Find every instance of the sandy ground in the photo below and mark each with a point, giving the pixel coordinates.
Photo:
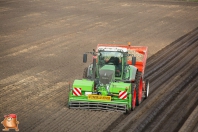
(41, 47)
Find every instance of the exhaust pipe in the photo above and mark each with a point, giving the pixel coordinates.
(94, 68)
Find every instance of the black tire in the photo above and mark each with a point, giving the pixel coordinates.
(139, 90)
(85, 73)
(134, 100)
(147, 89)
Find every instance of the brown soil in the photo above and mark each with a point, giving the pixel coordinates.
(41, 47)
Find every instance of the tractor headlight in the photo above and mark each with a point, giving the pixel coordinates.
(87, 93)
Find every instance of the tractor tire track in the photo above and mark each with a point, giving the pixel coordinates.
(156, 125)
(191, 123)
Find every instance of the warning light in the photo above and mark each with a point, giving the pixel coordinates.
(129, 43)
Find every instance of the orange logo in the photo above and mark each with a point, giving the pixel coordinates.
(10, 122)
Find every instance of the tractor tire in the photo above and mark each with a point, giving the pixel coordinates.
(147, 89)
(139, 87)
(85, 73)
(134, 97)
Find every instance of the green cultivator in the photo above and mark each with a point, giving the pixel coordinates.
(114, 81)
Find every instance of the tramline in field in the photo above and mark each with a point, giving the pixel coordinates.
(114, 81)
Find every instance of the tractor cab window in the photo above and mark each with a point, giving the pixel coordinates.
(112, 58)
(109, 57)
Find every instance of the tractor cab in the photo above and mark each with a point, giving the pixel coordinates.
(111, 60)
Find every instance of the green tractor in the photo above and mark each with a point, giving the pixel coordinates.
(114, 81)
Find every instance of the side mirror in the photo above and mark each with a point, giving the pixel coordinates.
(84, 58)
(133, 60)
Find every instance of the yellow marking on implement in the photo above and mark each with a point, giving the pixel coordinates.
(99, 97)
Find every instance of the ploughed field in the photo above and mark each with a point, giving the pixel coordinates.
(173, 74)
(41, 47)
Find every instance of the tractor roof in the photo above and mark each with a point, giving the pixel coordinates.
(104, 48)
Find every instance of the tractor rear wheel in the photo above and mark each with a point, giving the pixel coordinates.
(85, 73)
(139, 86)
